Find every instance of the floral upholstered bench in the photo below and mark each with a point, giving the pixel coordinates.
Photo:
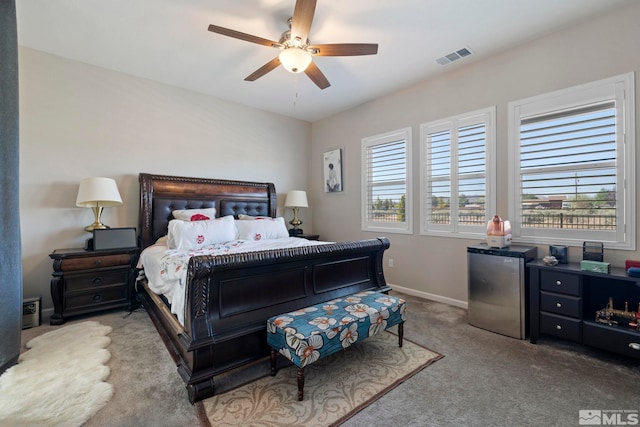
(309, 334)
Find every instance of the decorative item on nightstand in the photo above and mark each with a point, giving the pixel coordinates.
(98, 193)
(296, 199)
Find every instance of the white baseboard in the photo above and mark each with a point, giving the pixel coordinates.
(432, 297)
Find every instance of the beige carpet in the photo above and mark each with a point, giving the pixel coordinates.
(336, 387)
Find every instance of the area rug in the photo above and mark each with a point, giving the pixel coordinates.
(59, 381)
(336, 387)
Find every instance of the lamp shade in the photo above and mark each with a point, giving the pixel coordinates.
(98, 192)
(295, 59)
(296, 199)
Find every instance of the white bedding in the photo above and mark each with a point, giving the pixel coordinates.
(166, 270)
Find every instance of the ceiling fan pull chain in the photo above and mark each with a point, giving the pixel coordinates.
(295, 88)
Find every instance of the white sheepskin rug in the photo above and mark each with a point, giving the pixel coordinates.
(60, 380)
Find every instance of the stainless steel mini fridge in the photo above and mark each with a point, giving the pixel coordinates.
(498, 291)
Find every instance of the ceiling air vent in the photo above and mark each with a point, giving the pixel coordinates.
(454, 56)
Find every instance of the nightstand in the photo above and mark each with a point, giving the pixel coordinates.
(308, 236)
(88, 281)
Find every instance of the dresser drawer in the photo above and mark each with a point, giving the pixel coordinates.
(86, 263)
(91, 301)
(96, 279)
(555, 281)
(565, 305)
(619, 340)
(561, 326)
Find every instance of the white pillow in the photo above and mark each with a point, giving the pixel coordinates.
(188, 214)
(196, 234)
(262, 229)
(249, 217)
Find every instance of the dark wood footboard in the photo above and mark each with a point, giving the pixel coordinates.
(231, 297)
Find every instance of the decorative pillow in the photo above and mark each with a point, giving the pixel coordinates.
(196, 234)
(262, 229)
(194, 214)
(249, 217)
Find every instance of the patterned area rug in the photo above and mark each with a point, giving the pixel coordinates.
(336, 387)
(60, 380)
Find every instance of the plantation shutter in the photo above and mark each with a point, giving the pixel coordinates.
(386, 181)
(456, 175)
(568, 165)
(472, 185)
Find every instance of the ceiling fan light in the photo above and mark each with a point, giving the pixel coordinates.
(294, 59)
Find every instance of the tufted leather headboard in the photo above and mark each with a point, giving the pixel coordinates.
(161, 194)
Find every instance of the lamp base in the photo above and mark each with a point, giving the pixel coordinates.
(96, 226)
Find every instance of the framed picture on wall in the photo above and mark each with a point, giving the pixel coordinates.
(333, 171)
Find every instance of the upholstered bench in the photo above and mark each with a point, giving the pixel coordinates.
(309, 334)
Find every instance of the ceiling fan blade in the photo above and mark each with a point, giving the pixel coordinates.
(263, 70)
(302, 19)
(243, 36)
(344, 49)
(316, 76)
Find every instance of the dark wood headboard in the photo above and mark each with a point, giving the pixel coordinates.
(161, 194)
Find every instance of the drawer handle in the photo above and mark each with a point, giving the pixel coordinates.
(98, 261)
(97, 298)
(558, 327)
(634, 345)
(559, 305)
(97, 280)
(559, 282)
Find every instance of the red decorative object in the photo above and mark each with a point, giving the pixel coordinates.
(199, 217)
(200, 239)
(631, 263)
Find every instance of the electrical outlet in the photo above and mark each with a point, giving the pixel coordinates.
(390, 262)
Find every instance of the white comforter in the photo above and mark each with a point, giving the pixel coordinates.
(166, 270)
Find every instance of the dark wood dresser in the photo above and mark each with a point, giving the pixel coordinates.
(86, 281)
(564, 301)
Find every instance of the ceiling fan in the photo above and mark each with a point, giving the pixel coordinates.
(295, 49)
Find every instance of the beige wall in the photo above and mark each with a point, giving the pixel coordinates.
(435, 267)
(78, 120)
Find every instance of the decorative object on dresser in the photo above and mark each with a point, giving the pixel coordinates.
(296, 199)
(88, 281)
(567, 302)
(114, 238)
(560, 253)
(98, 193)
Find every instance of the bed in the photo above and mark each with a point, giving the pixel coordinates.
(228, 298)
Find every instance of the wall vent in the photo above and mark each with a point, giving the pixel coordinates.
(454, 56)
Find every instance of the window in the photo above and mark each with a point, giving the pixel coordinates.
(386, 182)
(458, 174)
(572, 165)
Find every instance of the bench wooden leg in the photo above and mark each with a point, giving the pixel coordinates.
(400, 333)
(274, 355)
(300, 384)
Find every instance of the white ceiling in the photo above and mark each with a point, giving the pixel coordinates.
(167, 41)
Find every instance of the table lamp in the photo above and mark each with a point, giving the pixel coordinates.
(98, 193)
(296, 199)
